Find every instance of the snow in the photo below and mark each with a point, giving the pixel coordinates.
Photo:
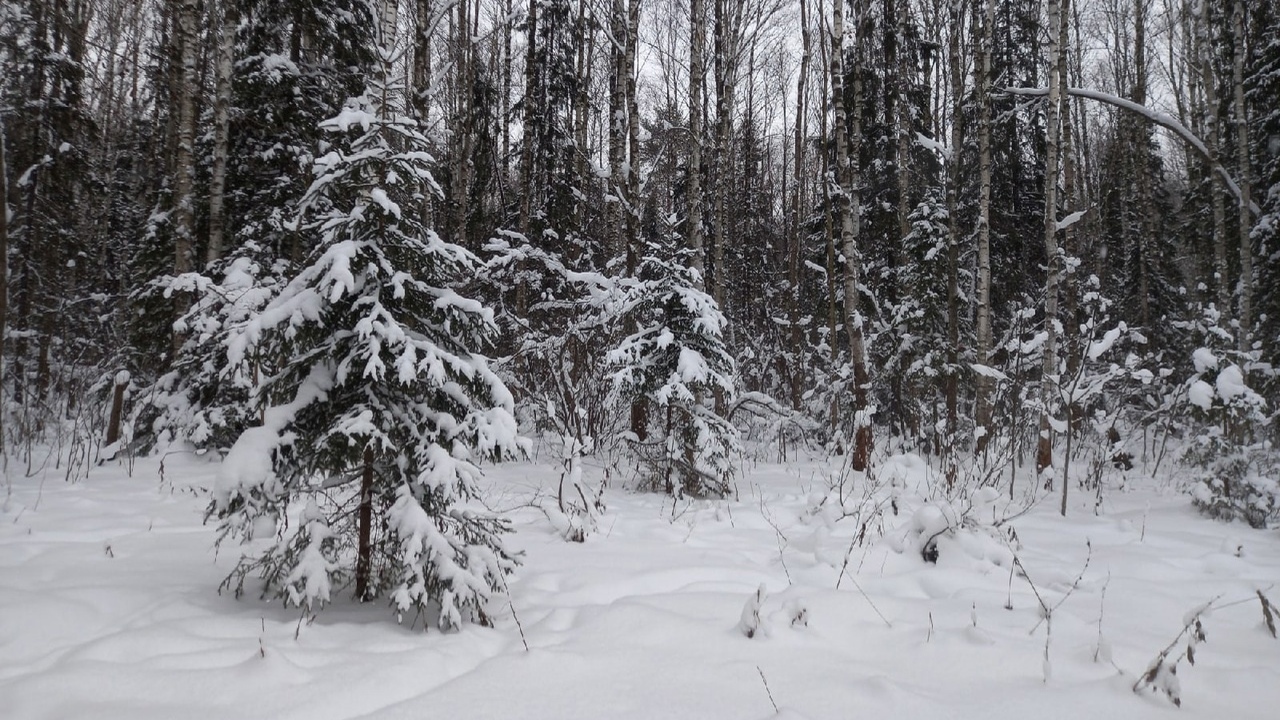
(1204, 359)
(109, 607)
(988, 371)
(1070, 220)
(1230, 384)
(1098, 348)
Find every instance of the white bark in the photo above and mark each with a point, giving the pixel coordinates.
(1213, 141)
(697, 45)
(1243, 197)
(984, 386)
(184, 166)
(850, 227)
(221, 129)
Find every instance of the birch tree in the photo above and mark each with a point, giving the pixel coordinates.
(697, 51)
(848, 137)
(984, 386)
(1244, 198)
(1213, 142)
(184, 166)
(227, 21)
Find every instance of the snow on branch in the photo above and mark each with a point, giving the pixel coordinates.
(1070, 220)
(1164, 120)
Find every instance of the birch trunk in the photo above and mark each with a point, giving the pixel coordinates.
(984, 387)
(951, 389)
(616, 209)
(697, 45)
(850, 133)
(184, 152)
(1244, 197)
(1213, 142)
(227, 23)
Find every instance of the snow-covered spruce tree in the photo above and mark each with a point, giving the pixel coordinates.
(675, 359)
(910, 343)
(1238, 475)
(381, 408)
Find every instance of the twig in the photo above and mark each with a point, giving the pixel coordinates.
(767, 690)
(869, 600)
(779, 537)
(1075, 584)
(512, 604)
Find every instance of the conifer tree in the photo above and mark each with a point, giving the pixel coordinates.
(674, 360)
(382, 408)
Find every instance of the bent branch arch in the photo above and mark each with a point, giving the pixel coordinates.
(1162, 119)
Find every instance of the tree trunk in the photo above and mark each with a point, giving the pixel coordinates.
(364, 529)
(184, 152)
(850, 133)
(4, 272)
(585, 53)
(697, 45)
(462, 137)
(639, 408)
(828, 180)
(727, 29)
(505, 165)
(984, 387)
(530, 130)
(797, 208)
(420, 92)
(117, 407)
(1243, 172)
(1213, 142)
(221, 125)
(1072, 340)
(1147, 242)
(902, 128)
(616, 209)
(1049, 363)
(951, 388)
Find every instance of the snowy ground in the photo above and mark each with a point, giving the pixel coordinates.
(109, 609)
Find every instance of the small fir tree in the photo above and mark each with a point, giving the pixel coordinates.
(1237, 470)
(675, 360)
(382, 407)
